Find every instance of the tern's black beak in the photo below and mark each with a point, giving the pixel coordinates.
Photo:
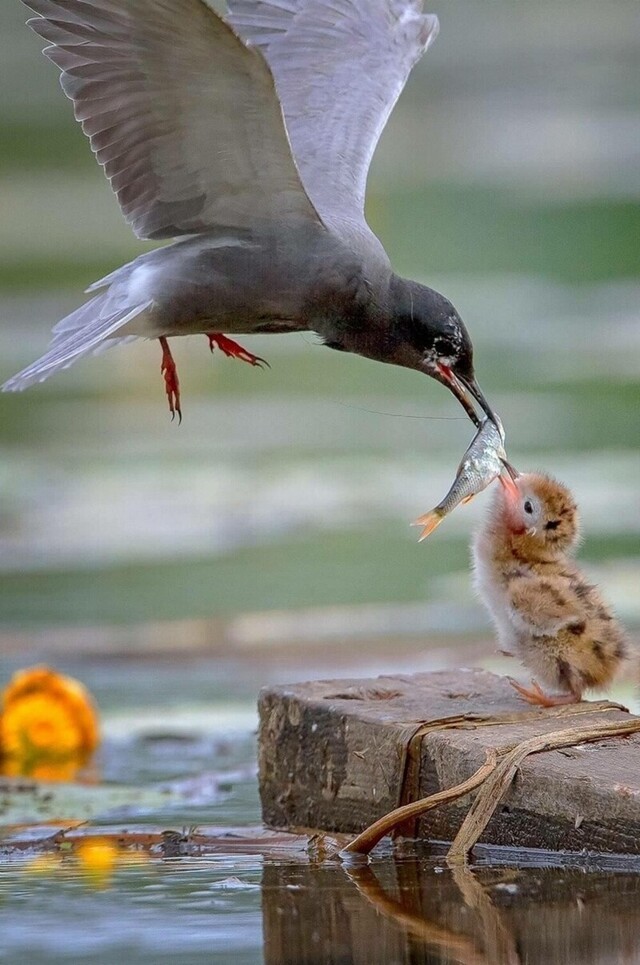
(472, 386)
(463, 387)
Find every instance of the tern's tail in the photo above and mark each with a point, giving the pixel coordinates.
(80, 333)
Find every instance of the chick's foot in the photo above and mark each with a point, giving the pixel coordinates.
(536, 696)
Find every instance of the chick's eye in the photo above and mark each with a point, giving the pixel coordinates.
(528, 508)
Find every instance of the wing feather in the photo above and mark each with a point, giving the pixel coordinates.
(180, 112)
(339, 66)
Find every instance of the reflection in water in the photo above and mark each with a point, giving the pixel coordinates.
(407, 912)
(234, 899)
(498, 939)
(92, 862)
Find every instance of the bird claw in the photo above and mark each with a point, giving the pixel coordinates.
(171, 383)
(536, 696)
(232, 350)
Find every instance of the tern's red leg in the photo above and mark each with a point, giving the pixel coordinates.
(232, 350)
(172, 385)
(537, 696)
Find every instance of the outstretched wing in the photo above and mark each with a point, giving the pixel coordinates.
(339, 66)
(182, 115)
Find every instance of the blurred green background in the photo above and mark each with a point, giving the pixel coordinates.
(508, 179)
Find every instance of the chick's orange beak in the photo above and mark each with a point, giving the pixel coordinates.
(508, 481)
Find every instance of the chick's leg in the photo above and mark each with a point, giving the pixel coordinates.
(535, 695)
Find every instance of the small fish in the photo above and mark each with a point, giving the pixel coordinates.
(484, 461)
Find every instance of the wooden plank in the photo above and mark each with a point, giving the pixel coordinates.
(333, 755)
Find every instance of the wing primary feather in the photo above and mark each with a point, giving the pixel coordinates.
(339, 66)
(158, 86)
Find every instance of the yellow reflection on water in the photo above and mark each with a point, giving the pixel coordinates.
(95, 861)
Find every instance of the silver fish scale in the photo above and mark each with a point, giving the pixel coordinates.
(480, 465)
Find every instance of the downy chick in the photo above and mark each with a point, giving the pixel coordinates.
(543, 607)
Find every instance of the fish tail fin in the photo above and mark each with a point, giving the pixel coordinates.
(429, 521)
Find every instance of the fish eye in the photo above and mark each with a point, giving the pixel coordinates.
(528, 508)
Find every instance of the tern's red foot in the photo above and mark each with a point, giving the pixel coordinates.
(234, 351)
(172, 385)
(537, 696)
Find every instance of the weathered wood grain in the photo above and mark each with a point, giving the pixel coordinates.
(334, 755)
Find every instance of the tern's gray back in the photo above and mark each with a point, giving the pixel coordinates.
(280, 276)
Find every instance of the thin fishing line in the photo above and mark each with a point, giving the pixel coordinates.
(404, 415)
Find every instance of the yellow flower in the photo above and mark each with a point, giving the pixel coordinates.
(43, 768)
(48, 724)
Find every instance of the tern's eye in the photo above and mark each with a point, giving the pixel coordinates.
(528, 508)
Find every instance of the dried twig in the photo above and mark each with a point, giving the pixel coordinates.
(495, 777)
(499, 781)
(376, 831)
(413, 743)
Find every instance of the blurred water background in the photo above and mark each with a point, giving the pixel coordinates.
(267, 537)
